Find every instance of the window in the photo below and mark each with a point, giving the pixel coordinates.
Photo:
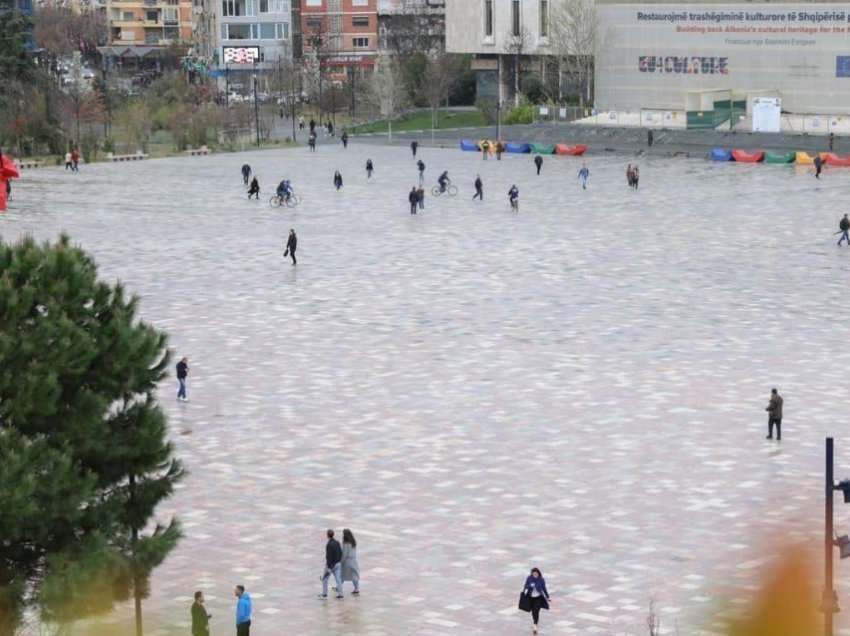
(128, 16)
(237, 31)
(314, 3)
(359, 3)
(267, 31)
(152, 37)
(515, 17)
(283, 30)
(360, 21)
(250, 7)
(233, 8)
(360, 43)
(169, 15)
(544, 18)
(151, 16)
(264, 6)
(488, 18)
(314, 24)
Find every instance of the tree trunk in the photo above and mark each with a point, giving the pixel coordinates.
(137, 594)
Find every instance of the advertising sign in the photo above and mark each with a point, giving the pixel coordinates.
(651, 56)
(767, 114)
(241, 54)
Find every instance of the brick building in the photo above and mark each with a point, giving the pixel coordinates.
(344, 34)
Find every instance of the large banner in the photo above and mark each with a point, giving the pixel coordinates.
(651, 56)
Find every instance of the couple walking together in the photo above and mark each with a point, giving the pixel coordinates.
(341, 563)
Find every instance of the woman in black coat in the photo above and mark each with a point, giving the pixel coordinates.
(534, 596)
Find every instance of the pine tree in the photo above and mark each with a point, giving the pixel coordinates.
(78, 373)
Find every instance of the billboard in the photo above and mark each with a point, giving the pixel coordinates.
(241, 54)
(651, 56)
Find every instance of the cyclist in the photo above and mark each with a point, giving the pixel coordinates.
(513, 196)
(284, 190)
(443, 181)
(246, 173)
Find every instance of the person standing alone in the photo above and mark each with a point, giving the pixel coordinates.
(538, 161)
(243, 611)
(843, 226)
(774, 415)
(182, 374)
(333, 566)
(200, 618)
(291, 246)
(413, 199)
(413, 146)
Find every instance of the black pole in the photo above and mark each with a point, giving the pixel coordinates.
(333, 105)
(256, 106)
(292, 99)
(828, 591)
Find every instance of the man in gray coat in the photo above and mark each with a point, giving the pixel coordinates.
(774, 415)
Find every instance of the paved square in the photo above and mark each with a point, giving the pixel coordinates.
(578, 387)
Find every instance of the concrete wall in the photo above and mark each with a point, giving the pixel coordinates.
(465, 27)
(651, 56)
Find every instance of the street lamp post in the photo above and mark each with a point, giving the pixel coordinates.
(828, 604)
(256, 106)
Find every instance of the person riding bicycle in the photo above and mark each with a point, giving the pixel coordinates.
(443, 180)
(284, 190)
(246, 173)
(513, 196)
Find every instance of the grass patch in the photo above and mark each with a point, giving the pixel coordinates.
(421, 120)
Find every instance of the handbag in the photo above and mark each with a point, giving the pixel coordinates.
(524, 602)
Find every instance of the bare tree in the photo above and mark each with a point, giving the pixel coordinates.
(516, 45)
(653, 621)
(442, 71)
(574, 37)
(387, 88)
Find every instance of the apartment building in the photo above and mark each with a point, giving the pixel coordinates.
(344, 34)
(405, 26)
(143, 26)
(253, 34)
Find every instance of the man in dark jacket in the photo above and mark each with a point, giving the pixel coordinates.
(200, 618)
(413, 146)
(843, 226)
(538, 161)
(774, 415)
(479, 188)
(291, 246)
(413, 199)
(182, 373)
(818, 166)
(333, 566)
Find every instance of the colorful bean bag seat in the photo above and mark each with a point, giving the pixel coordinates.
(514, 146)
(833, 159)
(742, 156)
(780, 157)
(468, 144)
(721, 154)
(564, 149)
(543, 149)
(804, 158)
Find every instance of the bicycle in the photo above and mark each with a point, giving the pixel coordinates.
(451, 190)
(292, 201)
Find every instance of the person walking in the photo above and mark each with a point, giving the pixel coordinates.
(68, 164)
(421, 166)
(843, 227)
(485, 149)
(246, 173)
(200, 618)
(243, 611)
(182, 374)
(350, 567)
(420, 197)
(312, 125)
(344, 139)
(831, 140)
(291, 246)
(774, 415)
(635, 177)
(75, 160)
(479, 188)
(333, 566)
(500, 148)
(413, 199)
(312, 141)
(254, 189)
(538, 161)
(584, 175)
(630, 176)
(414, 146)
(337, 180)
(650, 137)
(300, 122)
(369, 168)
(818, 166)
(534, 596)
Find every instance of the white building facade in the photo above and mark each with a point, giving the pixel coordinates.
(503, 36)
(252, 35)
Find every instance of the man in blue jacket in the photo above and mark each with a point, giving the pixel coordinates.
(243, 611)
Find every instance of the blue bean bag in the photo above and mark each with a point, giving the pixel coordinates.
(468, 144)
(721, 154)
(517, 147)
